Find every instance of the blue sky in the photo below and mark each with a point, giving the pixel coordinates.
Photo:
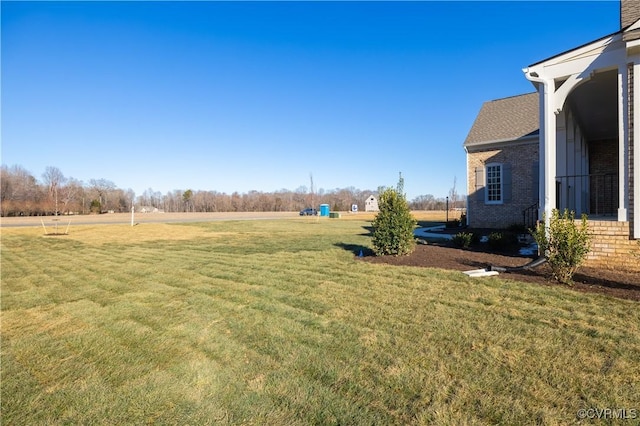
(240, 96)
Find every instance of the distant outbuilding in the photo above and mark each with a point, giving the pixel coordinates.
(371, 204)
(150, 209)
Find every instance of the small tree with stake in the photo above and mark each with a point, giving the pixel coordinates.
(393, 225)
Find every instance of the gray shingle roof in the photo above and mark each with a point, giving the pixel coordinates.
(629, 12)
(505, 119)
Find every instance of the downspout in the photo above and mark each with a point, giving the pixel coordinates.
(547, 190)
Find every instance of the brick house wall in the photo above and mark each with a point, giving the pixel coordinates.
(603, 185)
(611, 247)
(524, 185)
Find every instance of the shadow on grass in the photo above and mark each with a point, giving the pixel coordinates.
(368, 229)
(590, 279)
(356, 249)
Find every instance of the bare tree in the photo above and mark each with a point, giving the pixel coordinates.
(22, 194)
(423, 202)
(453, 194)
(102, 187)
(120, 200)
(311, 190)
(53, 178)
(175, 201)
(69, 194)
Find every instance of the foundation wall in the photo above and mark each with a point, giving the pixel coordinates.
(611, 246)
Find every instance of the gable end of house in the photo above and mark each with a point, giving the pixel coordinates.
(511, 119)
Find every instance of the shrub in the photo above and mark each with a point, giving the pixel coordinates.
(495, 240)
(393, 225)
(455, 223)
(463, 239)
(502, 240)
(564, 243)
(517, 228)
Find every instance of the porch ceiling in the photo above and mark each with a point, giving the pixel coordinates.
(595, 105)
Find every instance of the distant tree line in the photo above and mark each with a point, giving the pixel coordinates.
(22, 194)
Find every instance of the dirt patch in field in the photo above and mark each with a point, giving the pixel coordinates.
(445, 255)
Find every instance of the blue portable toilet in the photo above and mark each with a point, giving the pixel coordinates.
(324, 209)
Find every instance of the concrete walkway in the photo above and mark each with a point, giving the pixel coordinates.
(432, 232)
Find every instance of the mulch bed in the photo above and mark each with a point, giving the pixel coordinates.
(616, 283)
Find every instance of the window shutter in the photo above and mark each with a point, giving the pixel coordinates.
(480, 184)
(535, 188)
(506, 183)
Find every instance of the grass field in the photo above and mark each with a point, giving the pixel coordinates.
(275, 322)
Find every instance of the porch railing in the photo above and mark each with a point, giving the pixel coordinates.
(530, 216)
(593, 194)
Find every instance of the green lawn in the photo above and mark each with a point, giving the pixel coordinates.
(276, 322)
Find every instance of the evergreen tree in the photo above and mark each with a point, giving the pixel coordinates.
(393, 225)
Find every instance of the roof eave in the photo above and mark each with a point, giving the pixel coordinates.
(575, 48)
(501, 143)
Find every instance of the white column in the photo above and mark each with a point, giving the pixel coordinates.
(542, 168)
(623, 135)
(548, 142)
(636, 150)
(546, 89)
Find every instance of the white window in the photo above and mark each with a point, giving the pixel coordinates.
(494, 181)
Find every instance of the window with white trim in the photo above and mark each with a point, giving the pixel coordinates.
(493, 187)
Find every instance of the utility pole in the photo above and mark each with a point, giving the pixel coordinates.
(400, 185)
(447, 210)
(312, 201)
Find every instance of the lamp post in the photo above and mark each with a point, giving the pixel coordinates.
(447, 207)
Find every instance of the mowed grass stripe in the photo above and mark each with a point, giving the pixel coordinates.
(186, 326)
(92, 257)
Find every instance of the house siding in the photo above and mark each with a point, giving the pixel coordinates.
(523, 186)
